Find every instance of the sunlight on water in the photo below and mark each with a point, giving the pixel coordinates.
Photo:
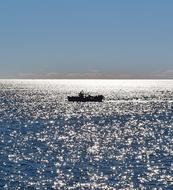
(49, 143)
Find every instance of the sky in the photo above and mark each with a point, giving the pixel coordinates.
(86, 39)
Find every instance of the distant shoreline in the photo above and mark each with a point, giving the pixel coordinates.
(86, 78)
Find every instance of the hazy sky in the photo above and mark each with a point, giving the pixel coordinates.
(86, 38)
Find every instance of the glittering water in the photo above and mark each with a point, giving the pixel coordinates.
(125, 142)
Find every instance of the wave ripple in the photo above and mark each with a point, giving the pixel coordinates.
(124, 142)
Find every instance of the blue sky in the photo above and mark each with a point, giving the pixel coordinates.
(90, 38)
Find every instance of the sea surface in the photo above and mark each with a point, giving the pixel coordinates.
(124, 142)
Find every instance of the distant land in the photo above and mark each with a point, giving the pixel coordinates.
(167, 74)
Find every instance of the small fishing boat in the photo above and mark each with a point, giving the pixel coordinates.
(85, 98)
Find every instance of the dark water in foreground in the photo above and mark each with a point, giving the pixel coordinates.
(126, 142)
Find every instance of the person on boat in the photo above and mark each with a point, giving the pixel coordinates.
(81, 94)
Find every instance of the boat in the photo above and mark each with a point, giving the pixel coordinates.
(85, 98)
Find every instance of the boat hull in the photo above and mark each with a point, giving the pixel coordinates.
(98, 98)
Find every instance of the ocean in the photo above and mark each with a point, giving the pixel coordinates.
(124, 142)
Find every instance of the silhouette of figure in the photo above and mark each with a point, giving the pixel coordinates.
(81, 94)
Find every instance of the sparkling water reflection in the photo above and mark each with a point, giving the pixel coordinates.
(49, 143)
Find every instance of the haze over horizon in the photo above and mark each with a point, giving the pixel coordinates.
(86, 39)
